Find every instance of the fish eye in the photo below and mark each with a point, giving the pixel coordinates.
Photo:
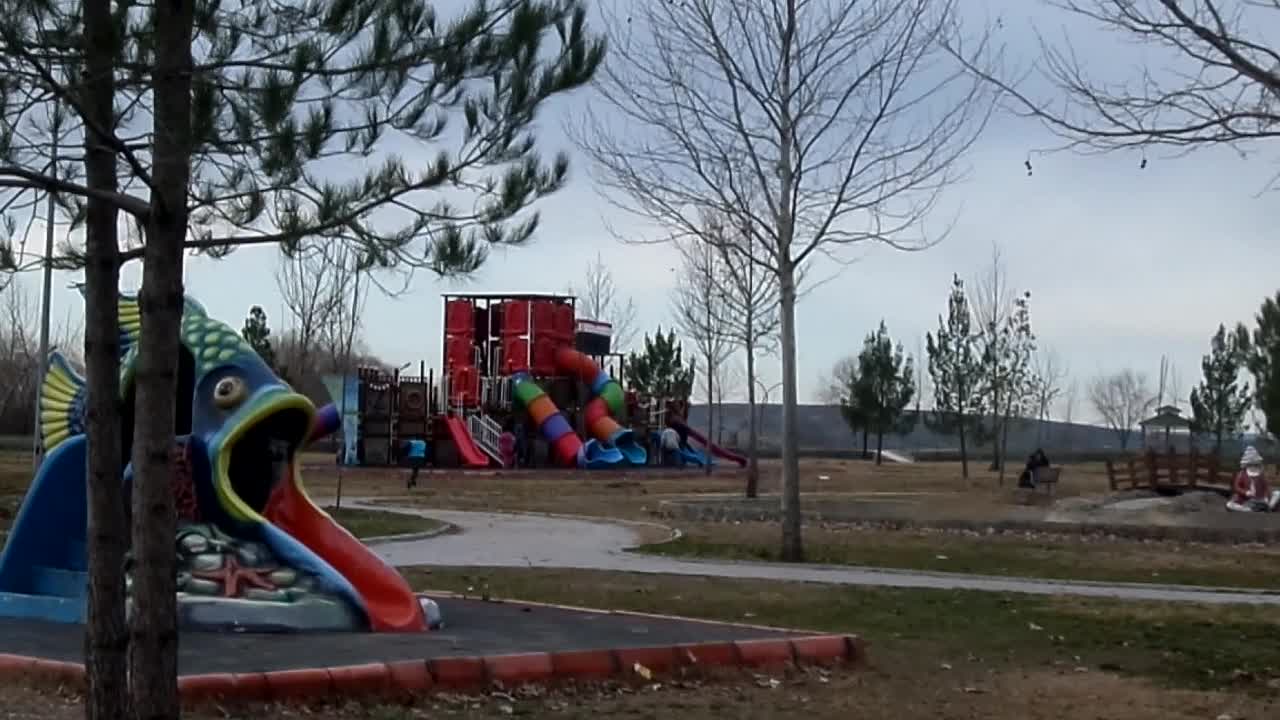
(229, 392)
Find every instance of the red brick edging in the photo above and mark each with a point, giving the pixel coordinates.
(463, 673)
(412, 677)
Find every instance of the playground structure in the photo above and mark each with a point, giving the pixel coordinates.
(253, 551)
(508, 358)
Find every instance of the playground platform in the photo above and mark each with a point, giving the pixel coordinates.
(482, 643)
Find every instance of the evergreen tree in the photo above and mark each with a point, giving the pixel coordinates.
(886, 384)
(1262, 352)
(854, 406)
(955, 367)
(1220, 402)
(1008, 361)
(659, 371)
(258, 335)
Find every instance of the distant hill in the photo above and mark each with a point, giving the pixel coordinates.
(823, 430)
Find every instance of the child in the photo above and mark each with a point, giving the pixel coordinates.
(416, 451)
(1250, 491)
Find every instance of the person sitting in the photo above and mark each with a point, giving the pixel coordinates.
(507, 448)
(670, 440)
(1036, 461)
(1250, 492)
(416, 453)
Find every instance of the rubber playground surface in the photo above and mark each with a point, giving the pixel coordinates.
(482, 642)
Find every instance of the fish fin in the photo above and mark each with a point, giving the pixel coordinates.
(62, 403)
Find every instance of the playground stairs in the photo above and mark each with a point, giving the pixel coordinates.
(486, 431)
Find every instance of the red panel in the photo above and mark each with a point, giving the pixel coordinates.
(459, 317)
(515, 317)
(544, 355)
(458, 350)
(564, 322)
(544, 317)
(515, 354)
(464, 386)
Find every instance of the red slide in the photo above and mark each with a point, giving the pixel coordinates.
(716, 450)
(471, 454)
(391, 603)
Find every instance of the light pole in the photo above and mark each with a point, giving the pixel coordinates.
(46, 297)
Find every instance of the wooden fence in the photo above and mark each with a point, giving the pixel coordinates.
(1171, 471)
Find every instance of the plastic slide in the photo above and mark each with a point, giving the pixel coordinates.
(716, 450)
(470, 453)
(42, 567)
(607, 402)
(389, 601)
(565, 445)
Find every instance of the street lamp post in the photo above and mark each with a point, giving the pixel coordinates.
(46, 298)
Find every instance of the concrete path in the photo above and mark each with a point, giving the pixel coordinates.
(520, 540)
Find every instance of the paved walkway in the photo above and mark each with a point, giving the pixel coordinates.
(514, 540)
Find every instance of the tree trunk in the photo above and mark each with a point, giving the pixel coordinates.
(711, 413)
(866, 442)
(792, 542)
(153, 658)
(753, 438)
(879, 444)
(964, 452)
(1004, 441)
(106, 634)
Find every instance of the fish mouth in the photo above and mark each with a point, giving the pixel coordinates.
(258, 454)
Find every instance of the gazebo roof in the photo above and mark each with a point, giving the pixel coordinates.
(1166, 417)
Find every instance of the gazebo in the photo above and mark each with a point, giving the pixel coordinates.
(1168, 421)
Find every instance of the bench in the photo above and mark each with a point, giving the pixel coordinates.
(1047, 478)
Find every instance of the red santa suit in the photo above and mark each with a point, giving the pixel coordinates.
(1246, 488)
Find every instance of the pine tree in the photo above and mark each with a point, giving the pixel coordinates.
(1262, 352)
(855, 406)
(1008, 360)
(1220, 402)
(239, 123)
(659, 371)
(885, 388)
(955, 368)
(258, 335)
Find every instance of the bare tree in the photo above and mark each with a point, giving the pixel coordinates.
(751, 318)
(992, 302)
(813, 125)
(729, 378)
(1212, 77)
(1049, 374)
(699, 307)
(312, 285)
(1069, 399)
(1122, 399)
(835, 387)
(599, 299)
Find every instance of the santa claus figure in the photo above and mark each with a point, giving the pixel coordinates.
(1249, 491)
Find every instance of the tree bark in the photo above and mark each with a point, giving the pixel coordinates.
(964, 451)
(753, 438)
(153, 656)
(106, 634)
(792, 542)
(711, 412)
(879, 444)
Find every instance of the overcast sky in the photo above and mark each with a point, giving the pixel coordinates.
(1124, 264)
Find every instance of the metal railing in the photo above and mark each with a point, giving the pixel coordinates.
(486, 432)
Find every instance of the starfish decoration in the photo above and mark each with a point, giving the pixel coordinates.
(232, 574)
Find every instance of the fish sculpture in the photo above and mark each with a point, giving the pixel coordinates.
(254, 552)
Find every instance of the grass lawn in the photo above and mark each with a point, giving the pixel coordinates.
(934, 654)
(1175, 645)
(372, 523)
(1042, 556)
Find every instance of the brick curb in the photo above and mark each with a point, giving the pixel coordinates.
(415, 677)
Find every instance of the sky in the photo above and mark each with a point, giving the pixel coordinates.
(1125, 265)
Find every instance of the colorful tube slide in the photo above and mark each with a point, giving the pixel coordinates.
(607, 402)
(565, 445)
(714, 449)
